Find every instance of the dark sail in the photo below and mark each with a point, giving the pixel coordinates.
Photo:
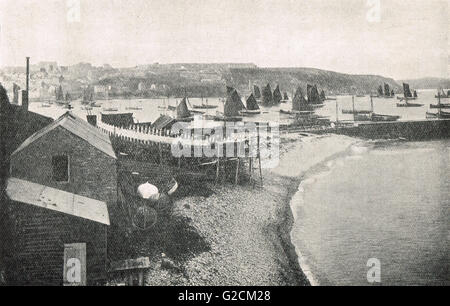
(267, 98)
(380, 90)
(322, 95)
(313, 95)
(415, 94)
(285, 96)
(182, 110)
(257, 92)
(392, 93)
(251, 103)
(233, 105)
(229, 90)
(277, 96)
(406, 90)
(298, 102)
(59, 94)
(387, 90)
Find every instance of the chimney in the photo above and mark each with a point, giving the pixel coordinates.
(25, 93)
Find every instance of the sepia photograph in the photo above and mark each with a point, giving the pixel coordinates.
(226, 144)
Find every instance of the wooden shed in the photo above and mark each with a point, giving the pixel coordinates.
(59, 238)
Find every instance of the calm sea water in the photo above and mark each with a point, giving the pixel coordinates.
(385, 201)
(151, 108)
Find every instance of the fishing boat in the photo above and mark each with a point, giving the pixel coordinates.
(94, 104)
(438, 115)
(372, 116)
(379, 117)
(204, 105)
(349, 111)
(267, 96)
(252, 107)
(442, 105)
(232, 108)
(299, 105)
(111, 109)
(313, 96)
(407, 94)
(385, 93)
(285, 98)
(442, 94)
(256, 92)
(277, 96)
(133, 107)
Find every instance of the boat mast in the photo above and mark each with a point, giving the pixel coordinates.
(439, 105)
(353, 107)
(337, 112)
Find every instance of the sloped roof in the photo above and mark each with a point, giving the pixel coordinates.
(78, 127)
(57, 200)
(163, 122)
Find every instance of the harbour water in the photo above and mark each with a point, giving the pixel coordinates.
(148, 110)
(383, 200)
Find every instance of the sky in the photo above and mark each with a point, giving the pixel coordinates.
(407, 39)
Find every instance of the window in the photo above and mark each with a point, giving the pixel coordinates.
(60, 165)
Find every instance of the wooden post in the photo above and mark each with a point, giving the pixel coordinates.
(217, 170)
(250, 162)
(236, 179)
(337, 111)
(160, 153)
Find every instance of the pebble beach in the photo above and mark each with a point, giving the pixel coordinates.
(247, 230)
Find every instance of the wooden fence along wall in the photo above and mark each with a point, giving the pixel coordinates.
(136, 139)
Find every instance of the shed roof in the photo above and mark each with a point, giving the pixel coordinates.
(78, 127)
(57, 200)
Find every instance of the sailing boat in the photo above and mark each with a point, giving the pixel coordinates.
(134, 107)
(313, 96)
(407, 96)
(440, 114)
(322, 95)
(232, 108)
(205, 105)
(256, 92)
(440, 105)
(252, 107)
(443, 94)
(59, 95)
(277, 96)
(285, 98)
(387, 90)
(267, 96)
(182, 111)
(299, 104)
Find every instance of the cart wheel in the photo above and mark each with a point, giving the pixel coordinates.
(144, 218)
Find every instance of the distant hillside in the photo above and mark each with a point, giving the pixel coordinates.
(428, 83)
(289, 78)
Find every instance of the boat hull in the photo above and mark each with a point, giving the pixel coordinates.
(409, 105)
(447, 105)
